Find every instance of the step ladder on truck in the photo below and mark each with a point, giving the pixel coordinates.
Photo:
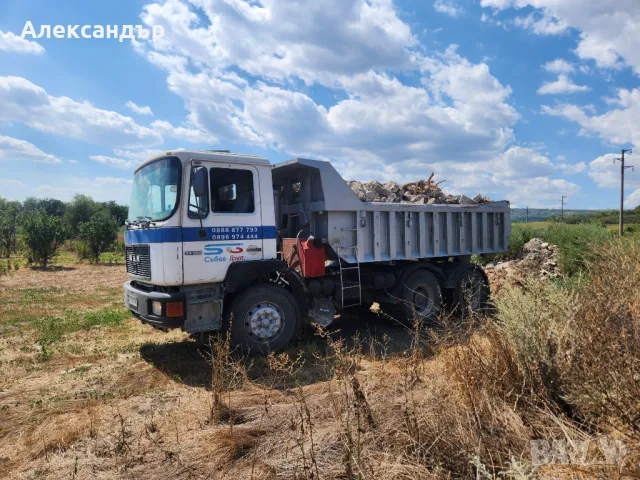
(217, 240)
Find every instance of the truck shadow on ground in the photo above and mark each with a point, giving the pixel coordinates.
(372, 335)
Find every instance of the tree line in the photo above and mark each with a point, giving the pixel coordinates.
(38, 227)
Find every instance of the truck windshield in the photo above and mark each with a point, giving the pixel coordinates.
(156, 190)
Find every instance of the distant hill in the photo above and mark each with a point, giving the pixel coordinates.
(540, 214)
(608, 217)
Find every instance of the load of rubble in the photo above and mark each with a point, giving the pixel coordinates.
(537, 259)
(421, 192)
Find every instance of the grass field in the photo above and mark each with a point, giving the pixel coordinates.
(88, 392)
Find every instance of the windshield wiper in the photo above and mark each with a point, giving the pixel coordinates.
(140, 221)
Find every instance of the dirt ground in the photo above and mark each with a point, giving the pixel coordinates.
(113, 398)
(86, 391)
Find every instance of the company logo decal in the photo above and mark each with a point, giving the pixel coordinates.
(216, 252)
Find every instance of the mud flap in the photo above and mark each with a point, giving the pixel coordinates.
(322, 311)
(204, 310)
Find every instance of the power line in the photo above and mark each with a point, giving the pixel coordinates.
(622, 169)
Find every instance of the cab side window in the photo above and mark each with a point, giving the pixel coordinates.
(232, 191)
(198, 206)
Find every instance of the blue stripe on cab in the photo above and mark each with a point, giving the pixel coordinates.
(191, 234)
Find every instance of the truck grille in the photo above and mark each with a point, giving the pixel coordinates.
(138, 261)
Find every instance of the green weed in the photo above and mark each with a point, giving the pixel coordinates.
(51, 329)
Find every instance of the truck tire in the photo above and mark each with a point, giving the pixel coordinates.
(262, 319)
(471, 292)
(421, 297)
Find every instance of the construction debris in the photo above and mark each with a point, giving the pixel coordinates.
(537, 259)
(421, 192)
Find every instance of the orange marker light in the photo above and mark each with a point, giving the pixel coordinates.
(174, 309)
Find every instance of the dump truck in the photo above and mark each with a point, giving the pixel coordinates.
(222, 241)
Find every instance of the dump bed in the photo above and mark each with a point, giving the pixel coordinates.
(312, 192)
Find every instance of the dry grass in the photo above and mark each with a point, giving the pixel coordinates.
(112, 398)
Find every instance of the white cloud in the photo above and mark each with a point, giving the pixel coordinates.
(378, 127)
(10, 182)
(546, 24)
(128, 159)
(606, 173)
(24, 102)
(618, 126)
(182, 133)
(115, 162)
(448, 7)
(73, 161)
(307, 39)
(145, 110)
(571, 169)
(99, 188)
(520, 162)
(562, 85)
(114, 181)
(138, 156)
(15, 150)
(609, 28)
(633, 199)
(10, 42)
(558, 65)
(541, 191)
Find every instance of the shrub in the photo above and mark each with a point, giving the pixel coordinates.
(575, 242)
(604, 379)
(81, 249)
(43, 235)
(99, 233)
(580, 349)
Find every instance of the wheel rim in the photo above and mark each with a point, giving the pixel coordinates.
(422, 301)
(264, 322)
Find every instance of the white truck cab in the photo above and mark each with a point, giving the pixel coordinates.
(218, 240)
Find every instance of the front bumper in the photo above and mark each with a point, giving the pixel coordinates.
(138, 300)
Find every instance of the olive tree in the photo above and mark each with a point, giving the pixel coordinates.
(43, 234)
(99, 233)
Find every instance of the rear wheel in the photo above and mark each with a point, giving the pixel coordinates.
(471, 293)
(421, 297)
(263, 318)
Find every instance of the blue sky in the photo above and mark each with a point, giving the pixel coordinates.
(526, 100)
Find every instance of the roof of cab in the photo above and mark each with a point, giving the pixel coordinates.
(215, 155)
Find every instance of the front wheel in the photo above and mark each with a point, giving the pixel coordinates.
(263, 318)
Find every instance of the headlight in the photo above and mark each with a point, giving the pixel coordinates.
(156, 308)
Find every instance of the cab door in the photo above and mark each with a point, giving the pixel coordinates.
(231, 221)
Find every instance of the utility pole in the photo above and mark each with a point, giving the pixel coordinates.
(527, 215)
(562, 208)
(622, 169)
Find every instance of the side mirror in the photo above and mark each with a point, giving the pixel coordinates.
(199, 181)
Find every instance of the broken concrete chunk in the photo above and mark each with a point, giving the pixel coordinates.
(420, 192)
